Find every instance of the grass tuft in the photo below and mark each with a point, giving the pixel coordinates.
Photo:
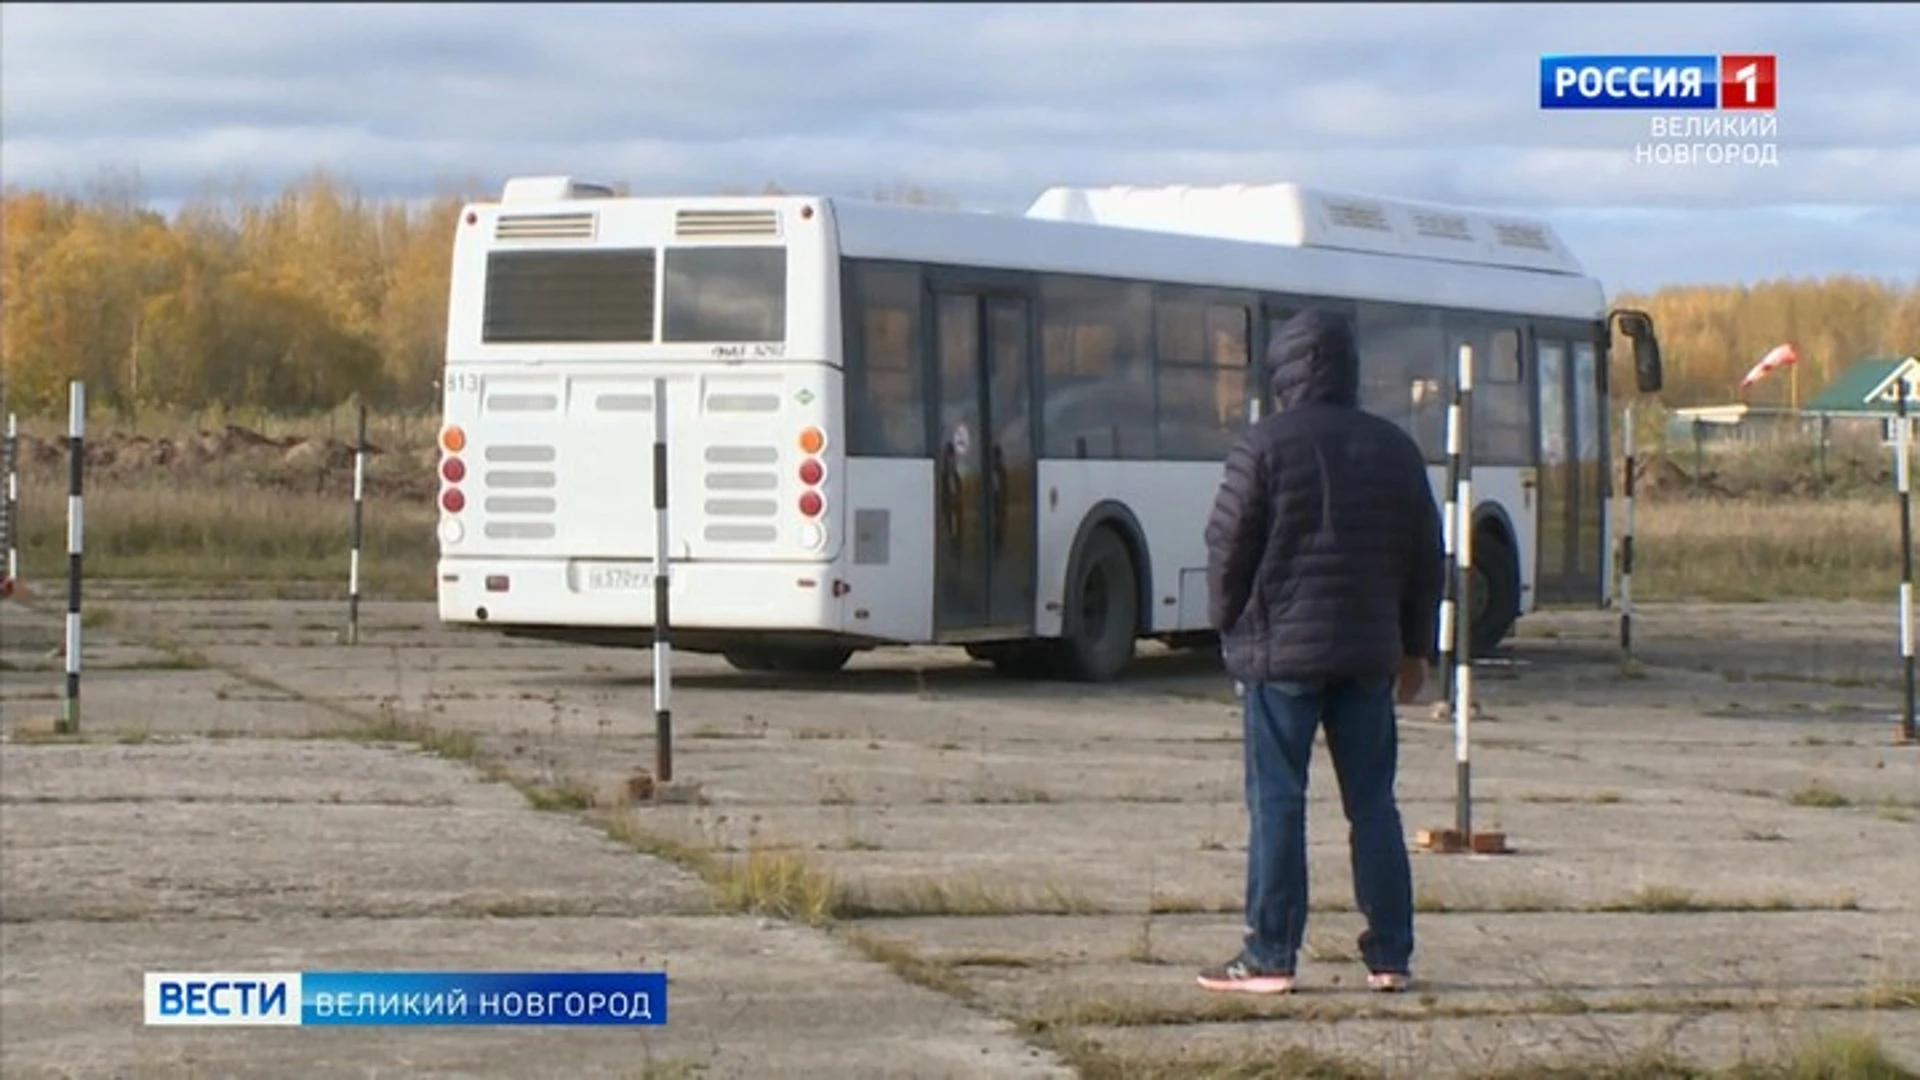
(1818, 796)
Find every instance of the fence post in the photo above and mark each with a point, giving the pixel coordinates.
(1450, 537)
(1699, 454)
(1463, 619)
(76, 524)
(359, 502)
(1820, 466)
(662, 623)
(1903, 446)
(10, 512)
(1626, 543)
(1456, 619)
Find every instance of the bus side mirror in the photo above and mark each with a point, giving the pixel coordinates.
(1638, 327)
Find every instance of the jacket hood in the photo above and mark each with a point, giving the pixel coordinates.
(1313, 360)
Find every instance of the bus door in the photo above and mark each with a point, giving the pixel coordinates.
(1557, 574)
(985, 477)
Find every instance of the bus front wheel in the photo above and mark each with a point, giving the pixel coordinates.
(1495, 600)
(1103, 610)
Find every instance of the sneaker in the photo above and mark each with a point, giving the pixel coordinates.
(1243, 975)
(1388, 982)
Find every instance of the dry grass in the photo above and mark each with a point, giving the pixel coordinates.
(385, 429)
(211, 525)
(228, 535)
(1763, 549)
(197, 534)
(1831, 1056)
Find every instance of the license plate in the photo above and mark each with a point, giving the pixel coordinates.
(619, 579)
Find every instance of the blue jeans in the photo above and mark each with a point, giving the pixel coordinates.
(1362, 738)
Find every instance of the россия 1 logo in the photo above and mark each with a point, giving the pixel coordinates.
(1743, 84)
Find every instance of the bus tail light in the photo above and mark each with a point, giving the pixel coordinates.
(452, 501)
(454, 470)
(453, 439)
(813, 501)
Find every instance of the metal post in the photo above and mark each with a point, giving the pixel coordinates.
(662, 624)
(1699, 454)
(1902, 479)
(1450, 597)
(359, 503)
(11, 509)
(1463, 572)
(76, 470)
(1626, 544)
(1820, 467)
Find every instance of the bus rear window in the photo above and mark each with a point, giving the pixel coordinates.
(726, 294)
(539, 297)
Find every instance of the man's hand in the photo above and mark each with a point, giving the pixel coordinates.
(1413, 677)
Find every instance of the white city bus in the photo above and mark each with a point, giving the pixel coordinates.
(891, 424)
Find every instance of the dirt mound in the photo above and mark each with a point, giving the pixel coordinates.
(233, 456)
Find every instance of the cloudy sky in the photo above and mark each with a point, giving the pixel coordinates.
(990, 104)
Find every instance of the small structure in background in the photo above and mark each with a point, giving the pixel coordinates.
(1857, 402)
(1865, 396)
(1855, 409)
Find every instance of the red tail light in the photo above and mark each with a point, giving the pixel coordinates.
(452, 501)
(811, 503)
(811, 471)
(454, 470)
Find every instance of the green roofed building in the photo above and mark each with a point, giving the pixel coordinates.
(1862, 397)
(1868, 392)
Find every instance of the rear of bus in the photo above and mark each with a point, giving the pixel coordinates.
(568, 308)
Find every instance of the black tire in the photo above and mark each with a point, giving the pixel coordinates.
(810, 659)
(1495, 598)
(1103, 611)
(749, 658)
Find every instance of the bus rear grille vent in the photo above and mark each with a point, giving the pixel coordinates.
(726, 223)
(544, 227)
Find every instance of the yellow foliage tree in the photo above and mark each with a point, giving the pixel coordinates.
(307, 298)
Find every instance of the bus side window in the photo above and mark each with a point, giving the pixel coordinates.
(1403, 371)
(885, 404)
(1201, 355)
(1096, 356)
(1502, 398)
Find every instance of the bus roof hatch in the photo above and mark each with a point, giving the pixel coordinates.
(1298, 216)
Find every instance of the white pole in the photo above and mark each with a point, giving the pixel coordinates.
(12, 508)
(76, 527)
(359, 505)
(1902, 481)
(662, 622)
(1626, 545)
(1463, 621)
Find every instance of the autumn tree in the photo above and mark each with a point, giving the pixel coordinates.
(302, 299)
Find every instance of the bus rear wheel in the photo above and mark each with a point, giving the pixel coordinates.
(790, 659)
(1103, 611)
(1494, 605)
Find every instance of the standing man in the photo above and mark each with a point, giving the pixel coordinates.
(1324, 573)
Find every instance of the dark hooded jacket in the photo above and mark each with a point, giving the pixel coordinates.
(1324, 547)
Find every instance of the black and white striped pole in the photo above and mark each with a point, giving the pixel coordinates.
(1902, 471)
(359, 504)
(76, 522)
(1456, 619)
(1626, 540)
(1461, 447)
(1449, 531)
(10, 511)
(662, 624)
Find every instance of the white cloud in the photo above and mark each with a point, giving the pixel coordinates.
(988, 103)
